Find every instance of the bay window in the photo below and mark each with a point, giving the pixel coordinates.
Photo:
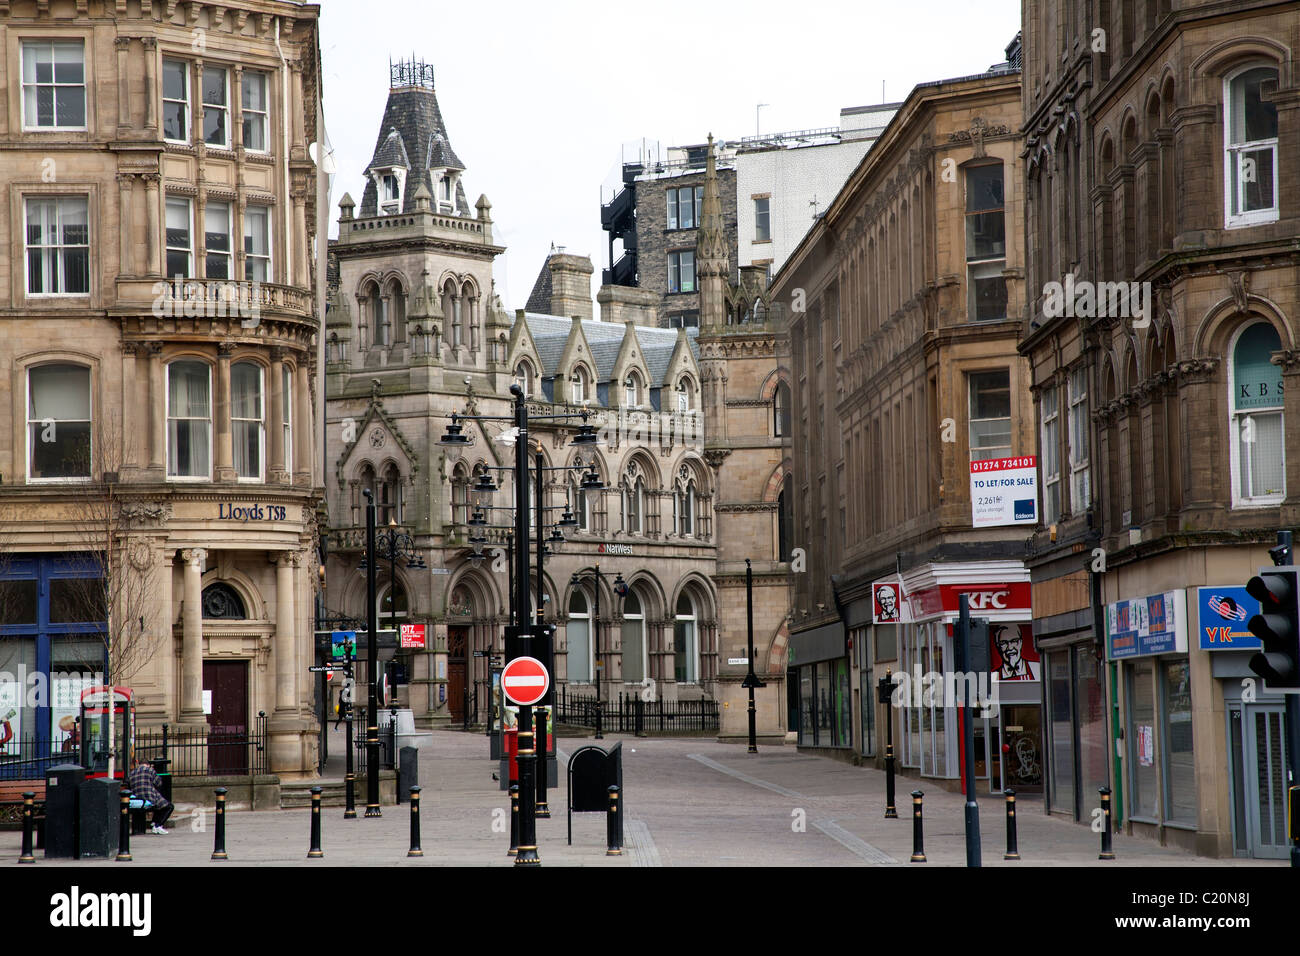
(179, 238)
(216, 232)
(216, 107)
(254, 111)
(257, 243)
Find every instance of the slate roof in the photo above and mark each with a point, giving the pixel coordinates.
(413, 135)
(539, 300)
(550, 333)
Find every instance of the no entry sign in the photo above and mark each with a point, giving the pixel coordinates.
(525, 681)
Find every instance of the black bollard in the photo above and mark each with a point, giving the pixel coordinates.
(613, 831)
(1106, 852)
(918, 848)
(314, 851)
(219, 841)
(540, 715)
(29, 811)
(415, 824)
(124, 830)
(1013, 852)
(350, 806)
(514, 820)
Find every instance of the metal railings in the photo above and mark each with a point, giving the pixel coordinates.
(216, 753)
(629, 714)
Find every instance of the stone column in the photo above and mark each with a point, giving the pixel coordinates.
(225, 469)
(237, 108)
(275, 418)
(196, 107)
(300, 276)
(130, 411)
(153, 210)
(126, 248)
(192, 641)
(285, 670)
(303, 427)
(122, 45)
(150, 86)
(158, 411)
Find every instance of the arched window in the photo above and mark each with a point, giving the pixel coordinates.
(451, 314)
(579, 505)
(785, 519)
(684, 501)
(686, 649)
(633, 633)
(58, 422)
(781, 411)
(633, 499)
(1255, 387)
(579, 383)
(578, 631)
(390, 496)
(220, 600)
(379, 318)
(524, 376)
(685, 391)
(247, 420)
(393, 607)
(1250, 140)
(189, 420)
(366, 480)
(632, 390)
(460, 494)
(396, 312)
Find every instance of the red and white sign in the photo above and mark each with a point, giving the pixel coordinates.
(413, 635)
(525, 681)
(986, 600)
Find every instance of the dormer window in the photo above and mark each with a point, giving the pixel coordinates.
(579, 383)
(390, 184)
(392, 194)
(446, 188)
(632, 389)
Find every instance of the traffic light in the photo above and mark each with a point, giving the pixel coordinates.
(1277, 626)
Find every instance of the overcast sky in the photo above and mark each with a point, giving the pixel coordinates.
(540, 98)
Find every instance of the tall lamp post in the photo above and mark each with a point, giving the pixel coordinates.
(372, 664)
(524, 638)
(751, 680)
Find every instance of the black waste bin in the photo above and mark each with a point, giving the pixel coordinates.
(101, 814)
(62, 786)
(408, 771)
(160, 766)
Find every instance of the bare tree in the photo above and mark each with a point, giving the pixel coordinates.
(107, 517)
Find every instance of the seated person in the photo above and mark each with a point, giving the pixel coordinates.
(144, 784)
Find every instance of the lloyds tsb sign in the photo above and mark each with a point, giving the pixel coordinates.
(231, 512)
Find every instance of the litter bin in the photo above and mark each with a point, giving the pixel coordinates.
(100, 817)
(408, 771)
(62, 785)
(160, 766)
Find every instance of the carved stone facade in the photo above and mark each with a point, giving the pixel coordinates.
(1133, 175)
(158, 317)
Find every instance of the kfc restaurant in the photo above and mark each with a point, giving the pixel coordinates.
(1008, 732)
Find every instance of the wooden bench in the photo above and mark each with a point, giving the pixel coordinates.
(11, 806)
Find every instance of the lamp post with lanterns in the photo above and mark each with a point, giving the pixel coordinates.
(522, 638)
(621, 589)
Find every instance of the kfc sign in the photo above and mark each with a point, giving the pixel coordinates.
(985, 599)
(887, 603)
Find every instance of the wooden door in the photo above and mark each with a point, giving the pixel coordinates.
(228, 741)
(457, 642)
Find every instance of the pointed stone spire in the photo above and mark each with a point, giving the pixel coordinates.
(712, 269)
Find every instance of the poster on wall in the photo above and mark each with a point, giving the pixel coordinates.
(1146, 746)
(1004, 491)
(1012, 652)
(887, 603)
(1141, 627)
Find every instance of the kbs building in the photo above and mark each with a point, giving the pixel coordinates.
(1165, 157)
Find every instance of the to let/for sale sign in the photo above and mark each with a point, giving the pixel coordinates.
(1004, 491)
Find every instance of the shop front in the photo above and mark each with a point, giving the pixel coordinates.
(1255, 723)
(1008, 725)
(1147, 638)
(820, 663)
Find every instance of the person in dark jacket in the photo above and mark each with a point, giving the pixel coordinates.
(144, 785)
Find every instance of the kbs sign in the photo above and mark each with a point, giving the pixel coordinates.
(413, 636)
(1004, 491)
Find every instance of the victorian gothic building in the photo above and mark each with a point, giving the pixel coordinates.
(415, 334)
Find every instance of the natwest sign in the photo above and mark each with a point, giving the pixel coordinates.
(984, 599)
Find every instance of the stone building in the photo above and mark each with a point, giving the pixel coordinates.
(902, 306)
(1161, 152)
(158, 428)
(415, 334)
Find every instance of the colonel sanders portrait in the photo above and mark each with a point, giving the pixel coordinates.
(1010, 647)
(886, 604)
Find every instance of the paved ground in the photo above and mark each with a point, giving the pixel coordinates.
(689, 802)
